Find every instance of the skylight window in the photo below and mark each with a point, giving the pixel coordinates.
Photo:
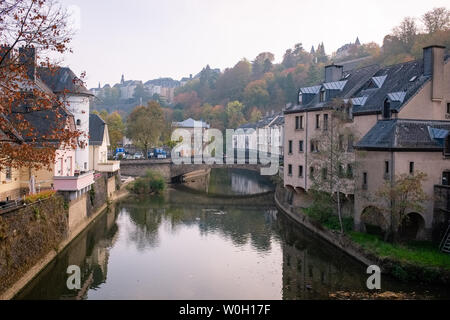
(413, 79)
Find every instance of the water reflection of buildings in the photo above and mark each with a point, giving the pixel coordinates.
(90, 252)
(241, 184)
(312, 269)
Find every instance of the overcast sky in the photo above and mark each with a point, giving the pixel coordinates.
(147, 39)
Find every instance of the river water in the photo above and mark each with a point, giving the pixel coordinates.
(186, 245)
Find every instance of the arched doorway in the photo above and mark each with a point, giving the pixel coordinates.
(374, 221)
(412, 227)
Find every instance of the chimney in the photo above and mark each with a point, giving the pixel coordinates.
(5, 56)
(333, 73)
(433, 65)
(27, 57)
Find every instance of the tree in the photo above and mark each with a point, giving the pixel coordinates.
(255, 94)
(406, 32)
(235, 115)
(437, 19)
(116, 129)
(145, 125)
(30, 30)
(255, 115)
(398, 196)
(333, 163)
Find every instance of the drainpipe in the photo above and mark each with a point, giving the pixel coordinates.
(306, 152)
(392, 178)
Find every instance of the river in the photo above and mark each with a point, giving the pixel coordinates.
(188, 245)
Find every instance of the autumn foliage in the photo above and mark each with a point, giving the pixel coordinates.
(29, 31)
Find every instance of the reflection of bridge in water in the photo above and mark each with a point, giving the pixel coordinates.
(174, 172)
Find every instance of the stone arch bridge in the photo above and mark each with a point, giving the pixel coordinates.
(172, 172)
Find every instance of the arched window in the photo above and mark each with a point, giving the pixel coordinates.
(387, 109)
(300, 98)
(78, 122)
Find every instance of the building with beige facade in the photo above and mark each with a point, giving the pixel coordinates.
(398, 120)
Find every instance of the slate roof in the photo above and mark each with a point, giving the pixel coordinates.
(44, 123)
(345, 88)
(62, 80)
(370, 86)
(396, 86)
(96, 130)
(404, 134)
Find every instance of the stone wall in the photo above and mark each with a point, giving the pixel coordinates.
(28, 234)
(441, 214)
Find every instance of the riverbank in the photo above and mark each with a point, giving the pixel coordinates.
(365, 253)
(73, 234)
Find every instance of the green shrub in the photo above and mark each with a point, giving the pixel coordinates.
(152, 182)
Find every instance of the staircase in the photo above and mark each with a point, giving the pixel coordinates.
(445, 244)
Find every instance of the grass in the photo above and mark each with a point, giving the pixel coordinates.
(419, 253)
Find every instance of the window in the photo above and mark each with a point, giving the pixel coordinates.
(349, 171)
(350, 143)
(317, 121)
(290, 146)
(300, 146)
(387, 109)
(325, 122)
(290, 169)
(8, 173)
(314, 146)
(78, 122)
(386, 169)
(297, 122)
(300, 171)
(411, 167)
(364, 180)
(341, 142)
(300, 98)
(325, 174)
(85, 166)
(322, 95)
(446, 178)
(340, 170)
(311, 172)
(448, 107)
(447, 146)
(301, 122)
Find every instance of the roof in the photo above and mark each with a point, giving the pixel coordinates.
(398, 83)
(62, 80)
(44, 124)
(269, 120)
(191, 123)
(345, 88)
(405, 134)
(96, 130)
(370, 86)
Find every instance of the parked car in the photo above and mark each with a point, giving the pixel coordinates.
(150, 154)
(129, 157)
(119, 154)
(138, 156)
(160, 153)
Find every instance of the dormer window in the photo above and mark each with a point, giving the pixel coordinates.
(300, 98)
(387, 109)
(322, 95)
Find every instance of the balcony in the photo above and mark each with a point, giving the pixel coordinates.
(110, 166)
(73, 183)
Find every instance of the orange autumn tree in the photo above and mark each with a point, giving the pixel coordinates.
(31, 31)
